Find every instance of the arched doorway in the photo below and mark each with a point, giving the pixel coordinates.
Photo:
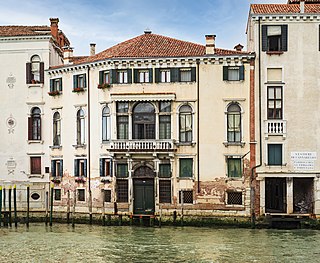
(143, 190)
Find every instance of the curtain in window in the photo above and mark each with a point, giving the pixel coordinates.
(185, 75)
(56, 129)
(185, 127)
(164, 170)
(234, 123)
(80, 127)
(234, 167)
(186, 167)
(106, 124)
(233, 73)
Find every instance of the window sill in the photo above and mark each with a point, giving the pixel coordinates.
(106, 179)
(35, 141)
(185, 178)
(274, 53)
(35, 176)
(275, 165)
(235, 206)
(83, 146)
(185, 143)
(31, 85)
(226, 144)
(59, 147)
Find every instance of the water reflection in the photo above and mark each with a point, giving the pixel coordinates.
(62, 243)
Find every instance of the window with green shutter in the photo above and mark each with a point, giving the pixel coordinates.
(186, 167)
(274, 154)
(233, 73)
(274, 38)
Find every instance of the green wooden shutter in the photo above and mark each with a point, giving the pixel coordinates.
(111, 169)
(174, 74)
(193, 74)
(75, 81)
(135, 75)
(29, 128)
(102, 167)
(278, 154)
(284, 38)
(51, 85)
(157, 75)
(28, 73)
(85, 80)
(41, 72)
(151, 75)
(61, 168)
(113, 76)
(225, 72)
(60, 80)
(101, 80)
(76, 167)
(264, 38)
(129, 75)
(53, 168)
(85, 167)
(241, 72)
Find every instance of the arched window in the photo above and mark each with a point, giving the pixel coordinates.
(35, 124)
(35, 70)
(234, 123)
(185, 124)
(56, 129)
(35, 67)
(143, 121)
(106, 124)
(80, 127)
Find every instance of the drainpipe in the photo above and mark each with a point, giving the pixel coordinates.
(89, 148)
(252, 177)
(198, 127)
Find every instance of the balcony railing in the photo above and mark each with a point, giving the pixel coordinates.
(142, 145)
(276, 127)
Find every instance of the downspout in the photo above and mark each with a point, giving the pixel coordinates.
(198, 127)
(252, 177)
(89, 148)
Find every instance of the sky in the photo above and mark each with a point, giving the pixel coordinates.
(109, 22)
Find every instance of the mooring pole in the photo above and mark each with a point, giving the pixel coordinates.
(15, 205)
(0, 205)
(51, 204)
(47, 207)
(74, 207)
(68, 207)
(28, 205)
(10, 218)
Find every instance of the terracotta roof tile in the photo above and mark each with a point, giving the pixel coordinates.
(153, 45)
(283, 8)
(9, 31)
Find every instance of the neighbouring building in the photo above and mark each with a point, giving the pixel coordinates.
(285, 39)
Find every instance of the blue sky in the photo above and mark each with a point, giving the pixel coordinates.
(108, 22)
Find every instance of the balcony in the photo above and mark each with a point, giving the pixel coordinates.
(142, 146)
(275, 127)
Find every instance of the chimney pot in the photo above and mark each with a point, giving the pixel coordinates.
(67, 55)
(238, 47)
(54, 27)
(92, 49)
(210, 44)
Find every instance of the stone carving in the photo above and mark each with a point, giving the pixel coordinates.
(11, 123)
(11, 80)
(11, 165)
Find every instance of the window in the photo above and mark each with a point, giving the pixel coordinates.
(164, 170)
(80, 127)
(105, 167)
(234, 198)
(35, 165)
(81, 195)
(122, 170)
(122, 120)
(185, 124)
(35, 124)
(175, 74)
(122, 76)
(106, 124)
(234, 167)
(79, 82)
(274, 38)
(274, 102)
(142, 75)
(144, 121)
(35, 70)
(186, 167)
(55, 85)
(165, 191)
(234, 123)
(80, 167)
(56, 168)
(233, 73)
(56, 129)
(165, 75)
(164, 120)
(57, 194)
(107, 195)
(104, 77)
(274, 154)
(185, 74)
(186, 197)
(122, 191)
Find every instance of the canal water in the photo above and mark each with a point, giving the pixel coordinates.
(62, 243)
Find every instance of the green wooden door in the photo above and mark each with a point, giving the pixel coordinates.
(143, 196)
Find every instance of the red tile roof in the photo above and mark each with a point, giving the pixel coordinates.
(151, 45)
(10, 31)
(283, 8)
(306, 1)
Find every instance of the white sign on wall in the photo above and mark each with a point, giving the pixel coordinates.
(303, 160)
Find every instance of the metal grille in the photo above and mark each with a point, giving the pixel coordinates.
(107, 196)
(122, 191)
(187, 197)
(165, 191)
(234, 198)
(81, 195)
(57, 194)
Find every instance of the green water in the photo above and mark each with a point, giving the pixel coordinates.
(62, 243)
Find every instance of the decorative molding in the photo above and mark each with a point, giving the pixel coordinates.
(11, 123)
(11, 80)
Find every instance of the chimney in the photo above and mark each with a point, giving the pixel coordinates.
(92, 49)
(54, 27)
(210, 44)
(67, 55)
(238, 47)
(302, 6)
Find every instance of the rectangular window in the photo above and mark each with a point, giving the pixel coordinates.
(107, 195)
(186, 197)
(274, 154)
(165, 191)
(274, 38)
(186, 167)
(164, 75)
(164, 127)
(122, 191)
(105, 167)
(122, 170)
(56, 85)
(80, 167)
(233, 73)
(56, 168)
(122, 120)
(79, 81)
(185, 74)
(274, 102)
(57, 194)
(35, 165)
(234, 198)
(104, 77)
(122, 76)
(143, 76)
(234, 167)
(81, 195)
(165, 170)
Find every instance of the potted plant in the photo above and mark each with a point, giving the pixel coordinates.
(104, 86)
(78, 90)
(54, 93)
(80, 179)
